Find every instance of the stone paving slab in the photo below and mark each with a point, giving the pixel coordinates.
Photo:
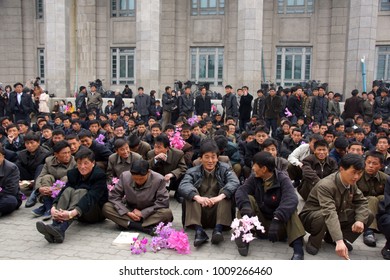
(20, 240)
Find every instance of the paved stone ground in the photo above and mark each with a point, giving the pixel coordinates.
(19, 240)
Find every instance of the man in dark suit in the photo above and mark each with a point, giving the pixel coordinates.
(352, 105)
(118, 101)
(202, 103)
(20, 103)
(167, 161)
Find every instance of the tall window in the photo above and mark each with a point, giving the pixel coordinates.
(123, 8)
(207, 7)
(295, 6)
(207, 65)
(383, 63)
(122, 66)
(292, 65)
(41, 65)
(39, 9)
(384, 5)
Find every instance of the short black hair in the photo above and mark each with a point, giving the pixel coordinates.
(352, 160)
(93, 122)
(316, 137)
(156, 125)
(60, 145)
(119, 143)
(376, 154)
(321, 143)
(265, 159)
(262, 129)
(139, 167)
(72, 136)
(163, 139)
(208, 146)
(85, 153)
(269, 142)
(85, 133)
(58, 132)
(341, 143)
(32, 136)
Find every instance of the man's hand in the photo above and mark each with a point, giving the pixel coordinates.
(161, 156)
(341, 249)
(11, 138)
(358, 227)
(133, 216)
(137, 213)
(204, 201)
(218, 198)
(168, 177)
(45, 191)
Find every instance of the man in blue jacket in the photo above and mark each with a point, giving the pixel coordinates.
(208, 190)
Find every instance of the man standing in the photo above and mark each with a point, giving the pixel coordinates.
(337, 207)
(140, 200)
(142, 104)
(20, 104)
(352, 106)
(273, 108)
(229, 103)
(382, 104)
(95, 100)
(168, 104)
(186, 103)
(81, 104)
(259, 105)
(295, 104)
(319, 107)
(202, 103)
(245, 108)
(334, 106)
(118, 101)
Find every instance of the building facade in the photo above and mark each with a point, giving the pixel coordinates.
(152, 43)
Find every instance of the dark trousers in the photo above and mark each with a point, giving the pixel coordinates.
(8, 203)
(28, 173)
(384, 227)
(242, 124)
(22, 116)
(272, 124)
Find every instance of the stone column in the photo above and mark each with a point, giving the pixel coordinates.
(361, 42)
(57, 47)
(249, 43)
(148, 44)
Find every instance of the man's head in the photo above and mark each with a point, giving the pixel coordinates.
(156, 129)
(122, 148)
(86, 138)
(140, 171)
(263, 165)
(18, 87)
(351, 168)
(31, 141)
(374, 162)
(62, 152)
(382, 145)
(140, 90)
(355, 148)
(47, 131)
(185, 131)
(261, 134)
(85, 162)
(296, 135)
(329, 136)
(76, 125)
(12, 131)
(161, 144)
(321, 150)
(341, 144)
(228, 89)
(270, 145)
(312, 139)
(209, 153)
(94, 126)
(74, 143)
(58, 135)
(119, 130)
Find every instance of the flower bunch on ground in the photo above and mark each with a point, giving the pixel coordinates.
(243, 227)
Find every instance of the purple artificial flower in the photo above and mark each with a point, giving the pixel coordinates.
(56, 188)
(1, 189)
(139, 246)
(287, 113)
(100, 139)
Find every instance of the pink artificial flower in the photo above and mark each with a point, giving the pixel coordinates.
(115, 180)
(287, 113)
(178, 240)
(244, 226)
(110, 187)
(1, 189)
(139, 246)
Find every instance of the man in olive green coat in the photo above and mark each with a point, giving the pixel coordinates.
(337, 207)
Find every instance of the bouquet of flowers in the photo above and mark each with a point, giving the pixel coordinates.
(169, 238)
(56, 188)
(176, 140)
(111, 186)
(242, 228)
(165, 237)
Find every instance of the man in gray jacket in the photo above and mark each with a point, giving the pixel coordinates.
(95, 100)
(208, 190)
(140, 200)
(229, 103)
(142, 104)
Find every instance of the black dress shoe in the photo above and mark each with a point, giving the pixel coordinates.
(41, 227)
(217, 237)
(297, 256)
(242, 247)
(369, 240)
(386, 253)
(56, 232)
(200, 238)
